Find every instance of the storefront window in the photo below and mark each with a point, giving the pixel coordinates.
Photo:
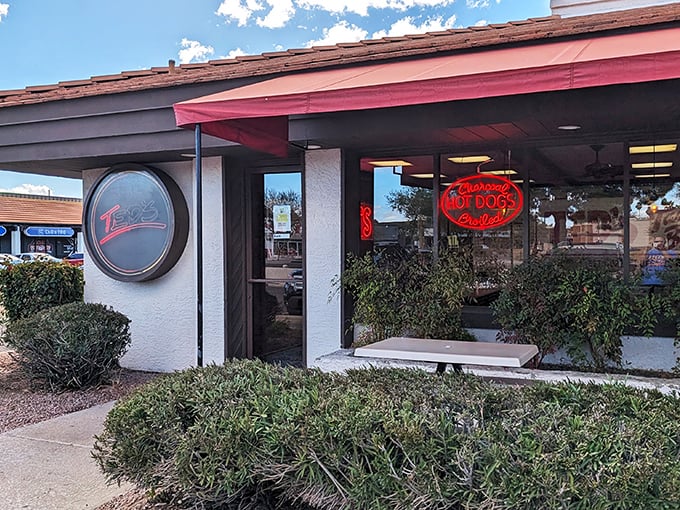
(402, 203)
(654, 226)
(584, 220)
(404, 215)
(575, 198)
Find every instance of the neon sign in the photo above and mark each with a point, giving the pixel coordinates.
(481, 202)
(366, 216)
(135, 223)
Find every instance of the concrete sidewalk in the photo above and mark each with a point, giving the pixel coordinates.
(48, 466)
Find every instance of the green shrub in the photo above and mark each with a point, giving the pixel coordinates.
(579, 304)
(668, 299)
(413, 296)
(252, 436)
(31, 287)
(70, 346)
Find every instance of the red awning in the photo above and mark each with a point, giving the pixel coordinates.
(257, 115)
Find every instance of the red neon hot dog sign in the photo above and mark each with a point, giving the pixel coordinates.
(481, 202)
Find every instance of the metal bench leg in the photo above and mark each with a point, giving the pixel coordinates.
(441, 367)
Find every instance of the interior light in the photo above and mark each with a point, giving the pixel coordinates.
(569, 127)
(521, 181)
(313, 146)
(650, 176)
(469, 159)
(652, 149)
(506, 171)
(188, 155)
(654, 164)
(397, 162)
(422, 176)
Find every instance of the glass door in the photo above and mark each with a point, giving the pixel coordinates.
(275, 279)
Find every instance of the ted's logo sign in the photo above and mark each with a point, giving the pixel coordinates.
(136, 223)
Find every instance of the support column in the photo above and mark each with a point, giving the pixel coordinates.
(213, 266)
(16, 241)
(323, 198)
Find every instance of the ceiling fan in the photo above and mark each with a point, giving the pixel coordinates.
(600, 170)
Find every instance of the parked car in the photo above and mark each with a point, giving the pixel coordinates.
(38, 257)
(292, 293)
(7, 260)
(75, 259)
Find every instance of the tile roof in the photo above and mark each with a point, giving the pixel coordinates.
(304, 59)
(40, 210)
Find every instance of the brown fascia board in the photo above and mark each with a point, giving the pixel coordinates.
(416, 45)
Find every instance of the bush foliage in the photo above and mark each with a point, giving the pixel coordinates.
(70, 346)
(408, 295)
(578, 304)
(252, 436)
(31, 287)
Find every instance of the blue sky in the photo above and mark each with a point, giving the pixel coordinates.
(47, 41)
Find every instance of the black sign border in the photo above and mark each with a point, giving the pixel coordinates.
(179, 216)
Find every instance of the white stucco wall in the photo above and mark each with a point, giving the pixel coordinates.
(163, 311)
(566, 8)
(323, 251)
(213, 262)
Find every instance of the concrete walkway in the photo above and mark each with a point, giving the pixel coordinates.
(48, 466)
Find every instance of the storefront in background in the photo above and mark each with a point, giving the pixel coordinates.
(360, 143)
(40, 224)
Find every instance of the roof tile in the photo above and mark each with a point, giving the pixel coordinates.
(39, 210)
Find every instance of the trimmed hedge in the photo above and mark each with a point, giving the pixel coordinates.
(70, 346)
(248, 435)
(28, 288)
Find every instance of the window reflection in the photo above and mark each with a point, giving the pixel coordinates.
(578, 220)
(654, 226)
(576, 206)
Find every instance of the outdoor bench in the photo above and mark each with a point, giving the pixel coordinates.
(453, 352)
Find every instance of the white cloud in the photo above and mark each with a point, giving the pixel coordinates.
(194, 51)
(406, 26)
(340, 32)
(29, 189)
(4, 9)
(234, 53)
(238, 10)
(481, 23)
(361, 7)
(478, 4)
(281, 13)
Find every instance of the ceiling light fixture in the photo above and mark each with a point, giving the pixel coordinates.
(653, 149)
(470, 159)
(650, 176)
(569, 127)
(422, 176)
(386, 164)
(506, 171)
(654, 164)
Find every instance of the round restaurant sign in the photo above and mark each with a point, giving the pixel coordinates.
(136, 223)
(481, 202)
